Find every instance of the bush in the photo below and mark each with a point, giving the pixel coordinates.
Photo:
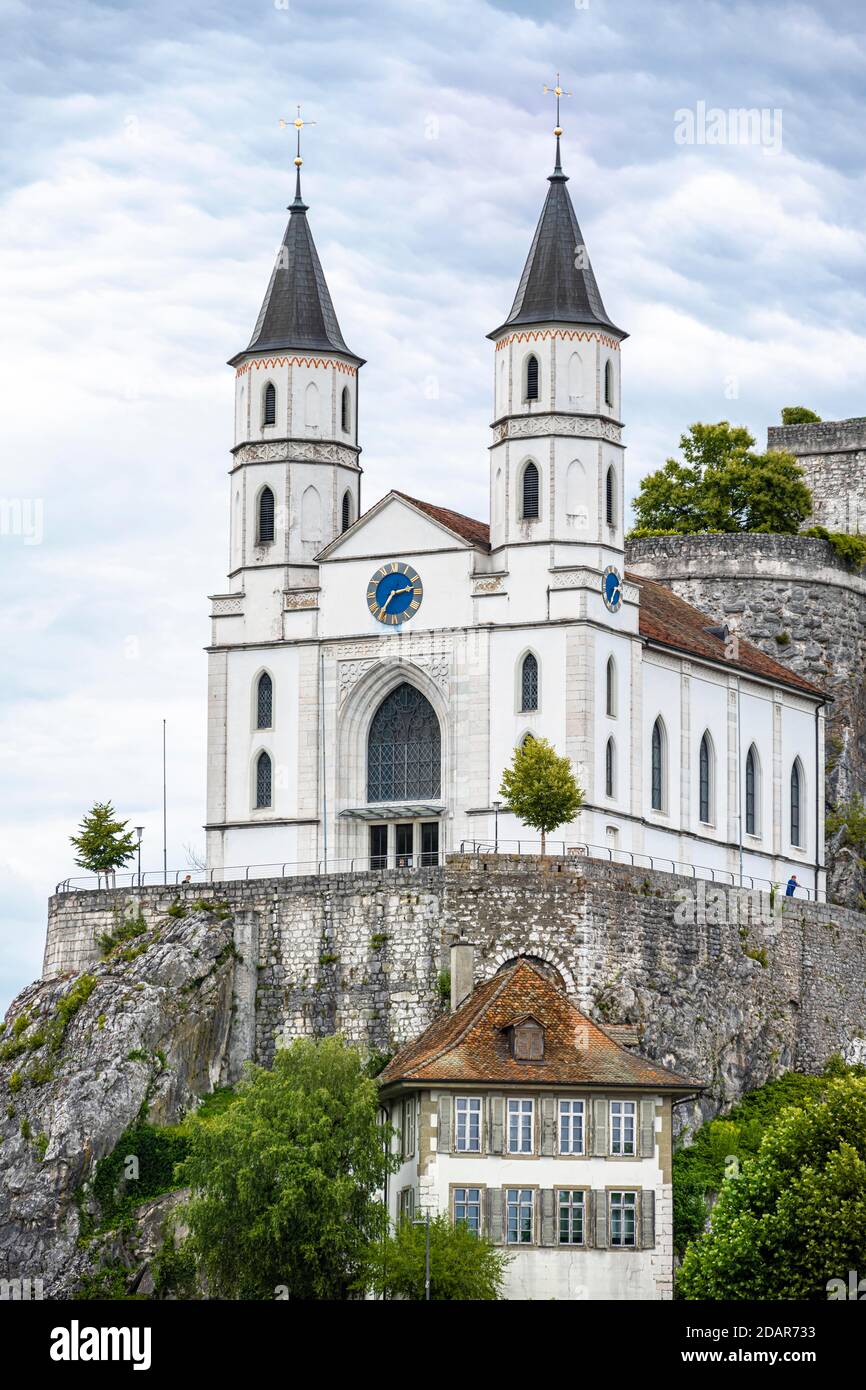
(799, 415)
(463, 1267)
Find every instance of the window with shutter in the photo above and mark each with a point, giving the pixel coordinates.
(443, 1127)
(530, 492)
(623, 1219)
(571, 1217)
(548, 1124)
(520, 1216)
(622, 1125)
(494, 1216)
(497, 1124)
(598, 1199)
(647, 1219)
(266, 517)
(520, 1124)
(599, 1127)
(647, 1127)
(466, 1207)
(571, 1116)
(547, 1199)
(528, 1042)
(467, 1124)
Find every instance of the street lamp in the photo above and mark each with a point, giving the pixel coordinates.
(496, 806)
(139, 830)
(425, 1221)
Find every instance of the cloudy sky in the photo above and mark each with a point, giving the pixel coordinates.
(144, 182)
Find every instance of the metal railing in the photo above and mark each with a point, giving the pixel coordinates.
(233, 873)
(635, 859)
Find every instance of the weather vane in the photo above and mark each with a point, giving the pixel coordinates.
(558, 93)
(299, 125)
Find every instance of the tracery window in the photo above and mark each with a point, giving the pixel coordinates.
(404, 748)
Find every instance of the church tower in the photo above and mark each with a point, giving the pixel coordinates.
(556, 463)
(296, 479)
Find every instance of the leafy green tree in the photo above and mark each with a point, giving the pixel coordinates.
(540, 787)
(795, 1217)
(103, 842)
(850, 820)
(463, 1267)
(721, 484)
(799, 415)
(285, 1182)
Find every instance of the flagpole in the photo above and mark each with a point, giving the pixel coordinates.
(164, 821)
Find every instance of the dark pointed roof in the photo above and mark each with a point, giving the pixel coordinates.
(297, 311)
(552, 288)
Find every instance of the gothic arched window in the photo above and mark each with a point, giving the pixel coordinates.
(610, 497)
(609, 768)
(404, 748)
(796, 801)
(705, 780)
(610, 688)
(266, 516)
(347, 510)
(263, 780)
(264, 702)
(269, 413)
(752, 791)
(529, 682)
(530, 491)
(658, 767)
(608, 383)
(345, 402)
(532, 377)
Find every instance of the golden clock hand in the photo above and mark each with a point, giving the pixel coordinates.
(387, 600)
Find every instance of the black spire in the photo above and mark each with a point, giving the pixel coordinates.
(297, 311)
(558, 284)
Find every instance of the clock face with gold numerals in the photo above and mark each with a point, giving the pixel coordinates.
(394, 593)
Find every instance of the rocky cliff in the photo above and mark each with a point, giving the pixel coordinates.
(83, 1060)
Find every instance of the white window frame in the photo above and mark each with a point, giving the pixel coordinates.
(569, 1117)
(623, 1207)
(571, 1193)
(622, 1114)
(522, 1114)
(406, 1210)
(468, 1203)
(471, 1106)
(524, 1201)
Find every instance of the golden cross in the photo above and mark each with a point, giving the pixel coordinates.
(558, 93)
(299, 126)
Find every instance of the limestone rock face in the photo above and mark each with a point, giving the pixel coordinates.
(144, 1032)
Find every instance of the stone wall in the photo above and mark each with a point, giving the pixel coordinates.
(796, 600)
(715, 993)
(832, 455)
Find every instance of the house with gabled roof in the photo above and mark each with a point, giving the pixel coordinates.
(520, 1116)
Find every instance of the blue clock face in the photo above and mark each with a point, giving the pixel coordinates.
(611, 588)
(394, 594)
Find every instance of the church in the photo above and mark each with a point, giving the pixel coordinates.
(372, 671)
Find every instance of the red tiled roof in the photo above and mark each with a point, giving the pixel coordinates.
(670, 621)
(478, 532)
(664, 618)
(471, 1046)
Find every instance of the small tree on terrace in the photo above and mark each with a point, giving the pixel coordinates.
(103, 842)
(540, 787)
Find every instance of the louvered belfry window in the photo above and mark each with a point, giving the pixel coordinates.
(265, 702)
(270, 404)
(530, 491)
(263, 780)
(344, 410)
(347, 510)
(532, 379)
(404, 748)
(529, 683)
(266, 516)
(610, 498)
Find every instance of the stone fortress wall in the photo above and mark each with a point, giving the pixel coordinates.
(832, 454)
(801, 604)
(717, 987)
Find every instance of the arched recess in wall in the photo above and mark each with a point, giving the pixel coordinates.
(610, 688)
(311, 515)
(311, 406)
(346, 411)
(498, 498)
(576, 494)
(551, 964)
(503, 385)
(575, 376)
(608, 384)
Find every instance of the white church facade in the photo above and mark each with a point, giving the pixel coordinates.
(371, 672)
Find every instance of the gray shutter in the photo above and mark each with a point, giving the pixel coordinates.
(647, 1219)
(495, 1228)
(599, 1127)
(599, 1218)
(548, 1216)
(443, 1132)
(497, 1125)
(548, 1124)
(647, 1128)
